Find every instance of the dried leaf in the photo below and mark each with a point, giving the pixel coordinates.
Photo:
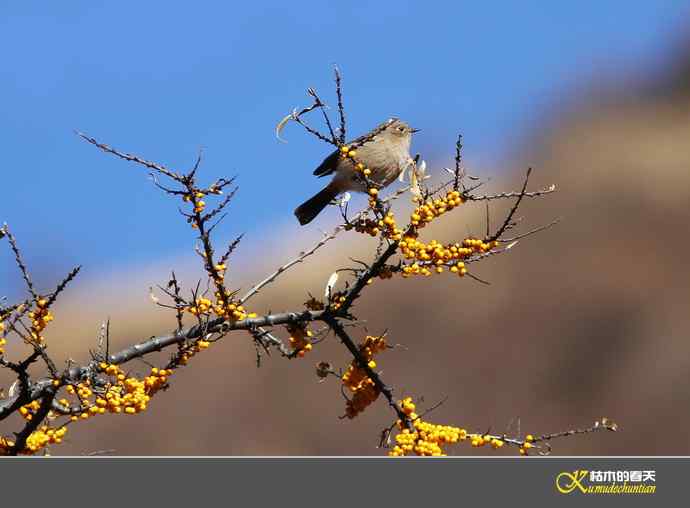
(281, 125)
(323, 369)
(330, 285)
(401, 176)
(414, 185)
(12, 391)
(421, 170)
(153, 297)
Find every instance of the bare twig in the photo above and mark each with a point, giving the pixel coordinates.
(341, 108)
(132, 158)
(458, 164)
(302, 256)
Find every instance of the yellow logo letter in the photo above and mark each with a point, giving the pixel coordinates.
(567, 482)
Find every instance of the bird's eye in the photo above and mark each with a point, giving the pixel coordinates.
(401, 128)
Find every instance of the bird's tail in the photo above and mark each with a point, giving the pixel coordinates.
(306, 212)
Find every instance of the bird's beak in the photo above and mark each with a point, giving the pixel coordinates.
(415, 130)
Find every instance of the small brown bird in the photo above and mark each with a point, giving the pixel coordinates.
(385, 151)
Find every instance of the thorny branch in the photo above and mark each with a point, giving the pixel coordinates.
(336, 313)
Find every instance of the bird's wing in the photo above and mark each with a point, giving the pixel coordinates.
(328, 165)
(374, 131)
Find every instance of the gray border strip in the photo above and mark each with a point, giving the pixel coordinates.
(330, 481)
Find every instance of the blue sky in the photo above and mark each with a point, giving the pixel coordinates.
(163, 79)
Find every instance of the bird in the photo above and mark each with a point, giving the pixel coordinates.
(385, 151)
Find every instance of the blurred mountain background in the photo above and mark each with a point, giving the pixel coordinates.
(584, 320)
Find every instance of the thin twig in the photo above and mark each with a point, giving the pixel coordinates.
(132, 158)
(341, 108)
(303, 255)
